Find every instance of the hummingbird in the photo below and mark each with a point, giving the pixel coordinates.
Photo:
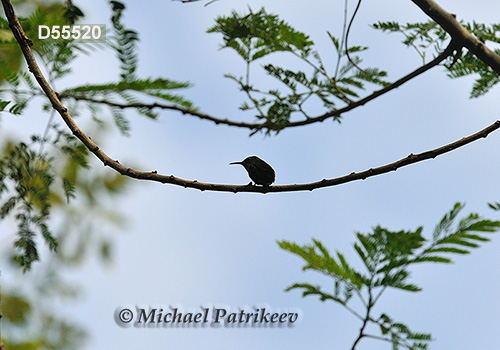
(259, 171)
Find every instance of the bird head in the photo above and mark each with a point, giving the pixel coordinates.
(247, 161)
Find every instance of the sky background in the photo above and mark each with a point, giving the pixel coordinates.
(191, 248)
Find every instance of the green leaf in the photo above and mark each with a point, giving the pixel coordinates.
(444, 225)
(3, 104)
(494, 206)
(256, 35)
(408, 287)
(428, 35)
(121, 123)
(335, 42)
(430, 258)
(466, 234)
(447, 250)
(124, 43)
(8, 206)
(15, 309)
(47, 235)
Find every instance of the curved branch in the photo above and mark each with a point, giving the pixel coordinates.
(450, 24)
(164, 106)
(25, 44)
(347, 37)
(452, 46)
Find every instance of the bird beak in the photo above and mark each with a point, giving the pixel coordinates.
(234, 163)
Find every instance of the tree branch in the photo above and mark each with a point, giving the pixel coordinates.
(452, 46)
(259, 126)
(367, 316)
(25, 44)
(164, 106)
(450, 24)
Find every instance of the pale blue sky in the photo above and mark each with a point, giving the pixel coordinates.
(188, 247)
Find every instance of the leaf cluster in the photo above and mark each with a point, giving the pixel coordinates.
(56, 54)
(400, 336)
(126, 92)
(257, 35)
(468, 64)
(48, 331)
(18, 97)
(112, 94)
(34, 183)
(25, 180)
(420, 36)
(124, 42)
(28, 174)
(33, 319)
(387, 256)
(425, 35)
(27, 193)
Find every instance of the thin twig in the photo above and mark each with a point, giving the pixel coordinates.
(366, 318)
(347, 36)
(261, 126)
(335, 113)
(344, 27)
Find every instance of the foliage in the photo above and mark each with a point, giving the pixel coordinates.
(31, 320)
(19, 313)
(26, 173)
(39, 178)
(29, 175)
(97, 94)
(57, 54)
(254, 36)
(424, 35)
(387, 256)
(124, 44)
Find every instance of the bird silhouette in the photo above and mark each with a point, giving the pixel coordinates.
(259, 171)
